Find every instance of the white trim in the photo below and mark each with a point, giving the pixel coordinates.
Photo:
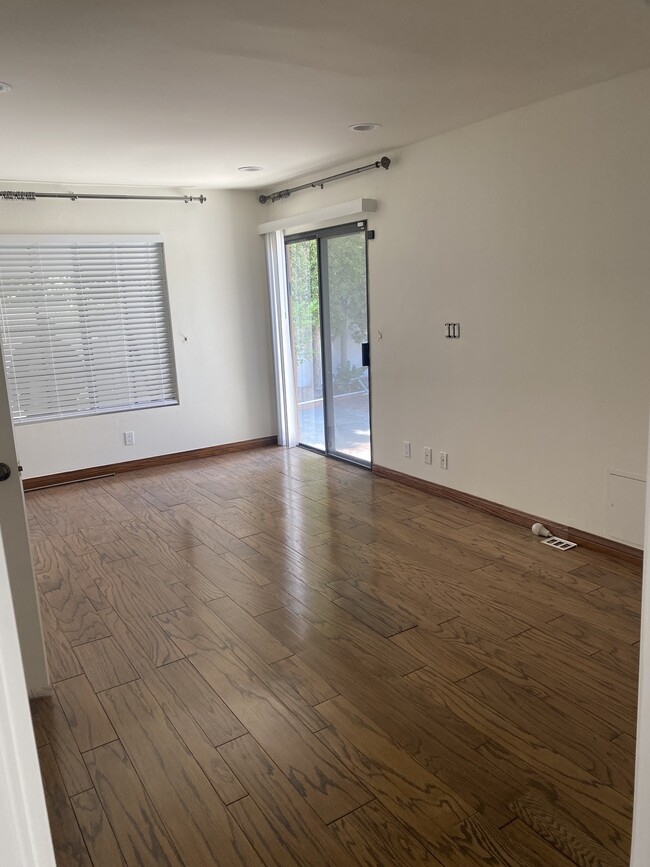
(641, 817)
(24, 827)
(352, 210)
(13, 526)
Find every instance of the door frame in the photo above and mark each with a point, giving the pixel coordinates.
(24, 825)
(13, 520)
(318, 235)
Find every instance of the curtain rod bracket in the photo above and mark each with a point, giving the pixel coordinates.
(382, 163)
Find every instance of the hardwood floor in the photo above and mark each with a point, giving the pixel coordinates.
(270, 658)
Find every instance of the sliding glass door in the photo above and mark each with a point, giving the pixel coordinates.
(304, 289)
(329, 309)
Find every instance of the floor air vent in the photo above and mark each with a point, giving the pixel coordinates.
(560, 544)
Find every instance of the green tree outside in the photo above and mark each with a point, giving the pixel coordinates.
(346, 260)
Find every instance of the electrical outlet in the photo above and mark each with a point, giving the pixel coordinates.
(407, 449)
(428, 455)
(129, 438)
(444, 457)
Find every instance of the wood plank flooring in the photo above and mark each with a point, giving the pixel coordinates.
(271, 658)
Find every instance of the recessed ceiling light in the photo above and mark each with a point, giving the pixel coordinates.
(364, 127)
(250, 169)
(4, 87)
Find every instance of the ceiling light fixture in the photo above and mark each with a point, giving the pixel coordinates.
(4, 87)
(250, 169)
(364, 127)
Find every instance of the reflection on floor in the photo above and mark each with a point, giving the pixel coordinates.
(270, 658)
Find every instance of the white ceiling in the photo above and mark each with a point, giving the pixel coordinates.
(182, 92)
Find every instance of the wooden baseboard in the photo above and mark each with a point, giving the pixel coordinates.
(605, 546)
(145, 463)
(37, 694)
(515, 516)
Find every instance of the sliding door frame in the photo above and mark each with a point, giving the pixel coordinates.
(319, 235)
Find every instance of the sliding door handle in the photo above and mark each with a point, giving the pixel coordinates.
(365, 355)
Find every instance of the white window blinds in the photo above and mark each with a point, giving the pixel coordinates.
(84, 325)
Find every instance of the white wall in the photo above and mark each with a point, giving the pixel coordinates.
(217, 286)
(531, 229)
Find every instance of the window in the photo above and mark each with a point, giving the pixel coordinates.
(84, 325)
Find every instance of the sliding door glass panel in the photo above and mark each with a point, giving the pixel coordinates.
(302, 268)
(345, 319)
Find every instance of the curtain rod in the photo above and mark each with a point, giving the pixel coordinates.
(382, 163)
(24, 195)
